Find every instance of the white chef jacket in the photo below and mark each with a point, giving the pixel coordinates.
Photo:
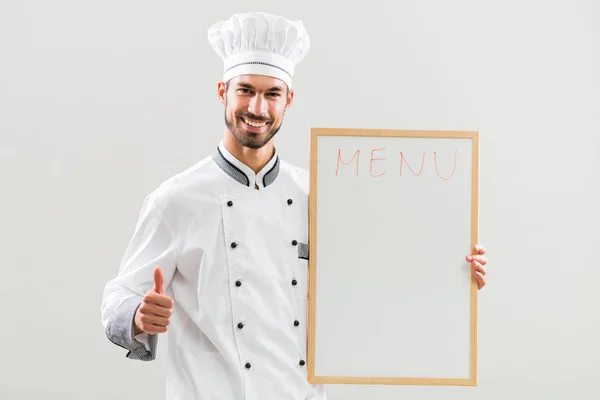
(235, 261)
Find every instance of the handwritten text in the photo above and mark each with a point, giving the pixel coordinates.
(403, 161)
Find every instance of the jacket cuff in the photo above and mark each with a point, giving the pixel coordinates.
(120, 331)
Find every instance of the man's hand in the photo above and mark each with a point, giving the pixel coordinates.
(152, 316)
(478, 261)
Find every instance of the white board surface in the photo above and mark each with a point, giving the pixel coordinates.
(393, 215)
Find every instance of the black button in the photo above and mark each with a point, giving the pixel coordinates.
(230, 203)
(296, 323)
(238, 283)
(248, 365)
(302, 362)
(234, 245)
(294, 242)
(294, 282)
(290, 201)
(240, 325)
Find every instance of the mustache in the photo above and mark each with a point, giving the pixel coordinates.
(254, 116)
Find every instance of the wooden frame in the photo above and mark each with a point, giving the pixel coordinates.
(312, 306)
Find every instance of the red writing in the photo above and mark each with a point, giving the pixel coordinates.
(374, 159)
(403, 162)
(436, 167)
(339, 159)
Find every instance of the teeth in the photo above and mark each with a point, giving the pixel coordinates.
(255, 124)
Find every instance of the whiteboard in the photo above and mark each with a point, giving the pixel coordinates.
(393, 214)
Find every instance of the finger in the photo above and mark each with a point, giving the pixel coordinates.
(160, 300)
(159, 281)
(161, 311)
(480, 259)
(155, 309)
(479, 249)
(151, 328)
(149, 319)
(477, 267)
(479, 279)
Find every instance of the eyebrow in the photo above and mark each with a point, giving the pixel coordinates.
(249, 86)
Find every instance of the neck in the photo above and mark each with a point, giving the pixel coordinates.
(255, 159)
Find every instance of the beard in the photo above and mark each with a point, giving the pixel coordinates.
(252, 140)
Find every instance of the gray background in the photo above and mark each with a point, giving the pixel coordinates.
(102, 100)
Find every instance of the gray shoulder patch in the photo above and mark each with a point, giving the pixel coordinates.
(303, 251)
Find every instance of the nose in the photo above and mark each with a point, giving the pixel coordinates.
(258, 105)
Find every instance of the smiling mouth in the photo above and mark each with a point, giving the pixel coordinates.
(254, 124)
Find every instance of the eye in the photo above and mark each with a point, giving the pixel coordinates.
(274, 94)
(243, 90)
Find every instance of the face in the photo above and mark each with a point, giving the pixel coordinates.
(254, 108)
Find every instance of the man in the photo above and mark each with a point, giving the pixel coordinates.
(219, 254)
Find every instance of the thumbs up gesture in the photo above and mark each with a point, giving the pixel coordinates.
(152, 316)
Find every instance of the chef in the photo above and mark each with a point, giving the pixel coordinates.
(219, 254)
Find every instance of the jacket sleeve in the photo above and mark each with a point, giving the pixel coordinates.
(152, 245)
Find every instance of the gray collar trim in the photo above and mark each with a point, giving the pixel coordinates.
(239, 175)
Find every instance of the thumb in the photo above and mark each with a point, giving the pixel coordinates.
(159, 281)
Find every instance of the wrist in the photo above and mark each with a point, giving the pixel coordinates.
(136, 329)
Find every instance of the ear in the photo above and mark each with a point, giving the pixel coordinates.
(290, 98)
(221, 89)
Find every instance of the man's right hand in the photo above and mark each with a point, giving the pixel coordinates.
(152, 316)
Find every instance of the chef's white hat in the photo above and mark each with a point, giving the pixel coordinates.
(259, 43)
